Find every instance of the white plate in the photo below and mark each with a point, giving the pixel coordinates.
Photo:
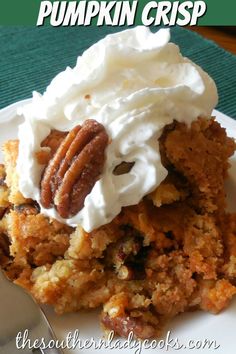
(197, 326)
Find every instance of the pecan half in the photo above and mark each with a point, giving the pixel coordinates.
(75, 167)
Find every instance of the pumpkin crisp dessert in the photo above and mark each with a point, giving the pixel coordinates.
(113, 194)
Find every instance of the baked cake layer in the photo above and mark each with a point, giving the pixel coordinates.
(173, 252)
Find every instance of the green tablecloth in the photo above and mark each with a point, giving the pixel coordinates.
(31, 57)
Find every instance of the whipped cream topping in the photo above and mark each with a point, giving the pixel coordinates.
(133, 82)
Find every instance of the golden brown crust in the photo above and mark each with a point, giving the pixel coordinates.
(175, 251)
(10, 151)
(201, 156)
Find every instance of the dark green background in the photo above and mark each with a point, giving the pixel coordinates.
(32, 56)
(19, 12)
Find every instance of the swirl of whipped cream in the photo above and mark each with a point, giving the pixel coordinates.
(133, 82)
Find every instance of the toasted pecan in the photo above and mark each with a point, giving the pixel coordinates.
(72, 172)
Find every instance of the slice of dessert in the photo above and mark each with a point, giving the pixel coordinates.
(114, 195)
